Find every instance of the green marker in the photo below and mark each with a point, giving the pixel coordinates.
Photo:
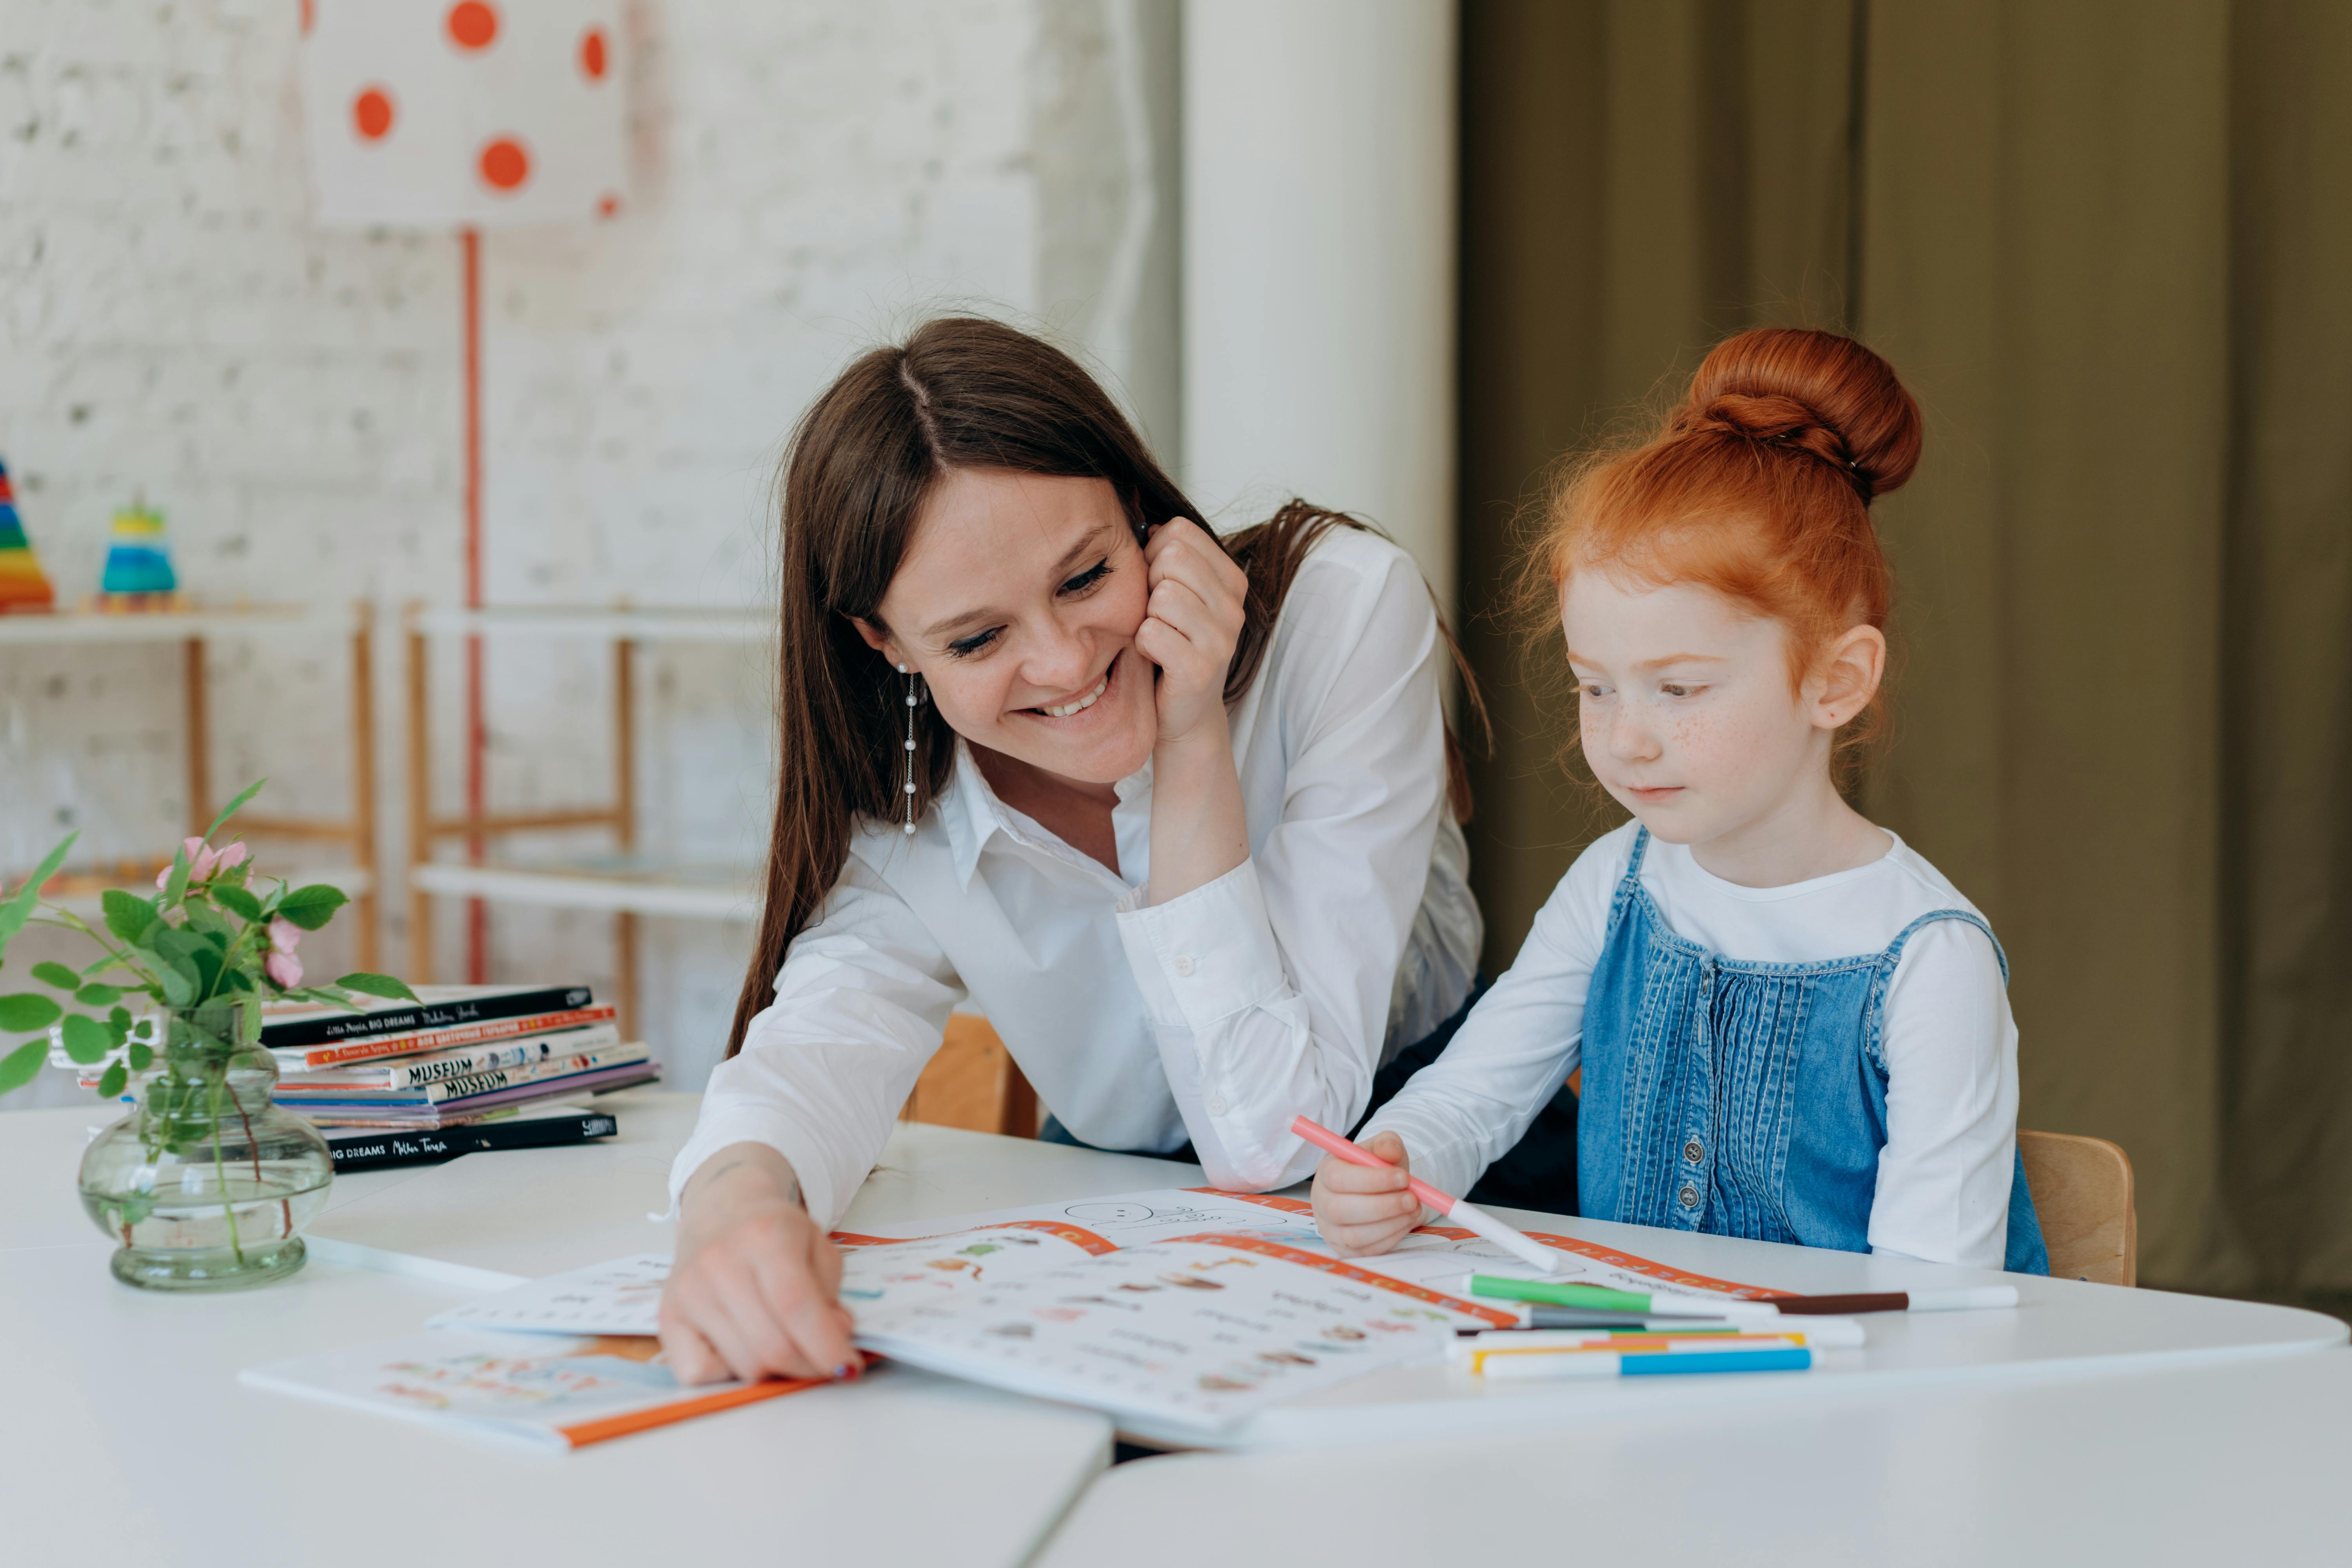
(1601, 1298)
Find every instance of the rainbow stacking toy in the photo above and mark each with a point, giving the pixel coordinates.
(22, 585)
(138, 561)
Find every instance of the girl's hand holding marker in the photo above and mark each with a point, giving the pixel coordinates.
(1387, 1177)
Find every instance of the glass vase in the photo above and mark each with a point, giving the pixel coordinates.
(207, 1185)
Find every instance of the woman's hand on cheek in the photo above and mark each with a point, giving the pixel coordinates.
(1191, 622)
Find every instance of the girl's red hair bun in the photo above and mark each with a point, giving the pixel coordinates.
(1816, 392)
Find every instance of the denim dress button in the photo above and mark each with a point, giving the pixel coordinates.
(1690, 1197)
(1693, 1151)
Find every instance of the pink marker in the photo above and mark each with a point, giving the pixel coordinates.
(1461, 1212)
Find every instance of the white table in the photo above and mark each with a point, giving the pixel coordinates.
(542, 1211)
(124, 1437)
(2061, 1329)
(2185, 1468)
(141, 1448)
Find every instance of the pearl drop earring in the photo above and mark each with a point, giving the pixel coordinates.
(912, 678)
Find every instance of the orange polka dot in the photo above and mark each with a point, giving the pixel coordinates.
(505, 165)
(608, 204)
(473, 25)
(592, 53)
(371, 114)
(309, 16)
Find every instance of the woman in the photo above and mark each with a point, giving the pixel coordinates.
(1170, 810)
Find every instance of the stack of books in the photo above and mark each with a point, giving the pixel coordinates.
(459, 1053)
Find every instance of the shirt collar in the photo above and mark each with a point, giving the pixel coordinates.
(973, 814)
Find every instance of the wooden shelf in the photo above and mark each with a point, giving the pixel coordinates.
(356, 881)
(194, 628)
(37, 627)
(671, 625)
(617, 884)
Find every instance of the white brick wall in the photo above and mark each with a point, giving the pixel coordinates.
(811, 174)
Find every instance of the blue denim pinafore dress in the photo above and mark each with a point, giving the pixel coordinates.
(1739, 1098)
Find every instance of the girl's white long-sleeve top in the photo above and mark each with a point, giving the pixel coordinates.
(1951, 1043)
(1277, 989)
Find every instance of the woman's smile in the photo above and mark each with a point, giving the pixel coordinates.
(1080, 703)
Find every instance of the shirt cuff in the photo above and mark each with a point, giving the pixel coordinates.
(724, 1126)
(1206, 956)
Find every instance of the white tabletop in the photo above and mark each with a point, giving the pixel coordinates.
(2231, 1464)
(544, 1211)
(2061, 1327)
(139, 1445)
(124, 1437)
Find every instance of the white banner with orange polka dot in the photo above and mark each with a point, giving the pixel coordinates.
(450, 114)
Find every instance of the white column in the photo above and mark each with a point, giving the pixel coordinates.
(1319, 262)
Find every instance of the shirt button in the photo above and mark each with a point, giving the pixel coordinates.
(1690, 1197)
(1184, 964)
(1693, 1151)
(1216, 1105)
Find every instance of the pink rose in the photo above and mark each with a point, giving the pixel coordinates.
(230, 859)
(283, 934)
(201, 860)
(284, 968)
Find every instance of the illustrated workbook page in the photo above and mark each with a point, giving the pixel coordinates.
(553, 1391)
(1191, 1308)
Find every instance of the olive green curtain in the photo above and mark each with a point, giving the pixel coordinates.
(2109, 245)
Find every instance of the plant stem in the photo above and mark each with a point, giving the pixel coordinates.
(220, 1169)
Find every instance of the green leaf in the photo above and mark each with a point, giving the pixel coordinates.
(204, 919)
(20, 1067)
(248, 793)
(378, 985)
(57, 974)
(128, 915)
(237, 900)
(98, 996)
(110, 1082)
(313, 906)
(175, 886)
(179, 989)
(18, 910)
(27, 1010)
(142, 1057)
(86, 1039)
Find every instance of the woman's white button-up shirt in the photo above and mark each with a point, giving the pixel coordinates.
(1277, 989)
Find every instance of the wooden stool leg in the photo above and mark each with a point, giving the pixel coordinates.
(363, 853)
(420, 817)
(200, 740)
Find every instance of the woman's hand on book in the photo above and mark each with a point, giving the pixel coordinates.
(755, 1290)
(1360, 1209)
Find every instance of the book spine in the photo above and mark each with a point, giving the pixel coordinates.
(537, 1072)
(474, 1108)
(297, 1032)
(377, 1150)
(459, 1064)
(442, 1039)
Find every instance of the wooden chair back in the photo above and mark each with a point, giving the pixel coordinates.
(2082, 1191)
(973, 1082)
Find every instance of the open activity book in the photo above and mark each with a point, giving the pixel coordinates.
(1173, 1310)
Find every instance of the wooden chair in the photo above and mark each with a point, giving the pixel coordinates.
(2082, 1191)
(974, 1083)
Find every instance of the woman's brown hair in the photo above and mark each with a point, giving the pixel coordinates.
(961, 391)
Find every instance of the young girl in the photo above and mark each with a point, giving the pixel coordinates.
(1792, 1027)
